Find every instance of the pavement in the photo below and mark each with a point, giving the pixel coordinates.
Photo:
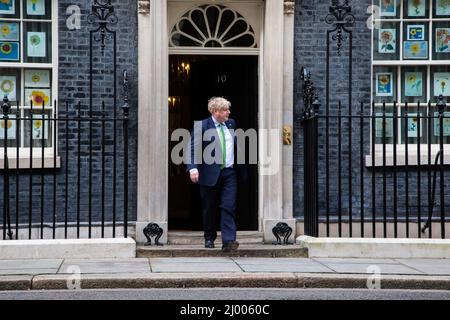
(210, 272)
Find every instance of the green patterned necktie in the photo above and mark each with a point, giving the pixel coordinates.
(222, 145)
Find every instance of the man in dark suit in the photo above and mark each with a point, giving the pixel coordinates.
(217, 176)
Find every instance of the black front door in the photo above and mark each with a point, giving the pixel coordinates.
(193, 81)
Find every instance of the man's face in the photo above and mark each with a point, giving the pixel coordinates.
(222, 115)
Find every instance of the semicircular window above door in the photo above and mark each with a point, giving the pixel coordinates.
(212, 26)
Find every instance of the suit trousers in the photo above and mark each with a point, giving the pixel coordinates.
(224, 195)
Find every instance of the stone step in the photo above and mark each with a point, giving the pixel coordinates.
(196, 237)
(245, 250)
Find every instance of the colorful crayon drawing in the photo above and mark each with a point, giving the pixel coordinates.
(442, 84)
(413, 84)
(442, 39)
(388, 8)
(7, 7)
(386, 42)
(415, 49)
(384, 85)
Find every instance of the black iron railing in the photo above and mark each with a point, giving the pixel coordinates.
(391, 183)
(46, 188)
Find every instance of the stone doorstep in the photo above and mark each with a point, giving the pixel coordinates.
(375, 248)
(245, 250)
(224, 280)
(197, 238)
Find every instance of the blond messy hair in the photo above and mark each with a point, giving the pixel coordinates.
(218, 104)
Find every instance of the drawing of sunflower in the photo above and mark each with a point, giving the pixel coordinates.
(6, 30)
(386, 39)
(35, 40)
(39, 97)
(384, 80)
(416, 4)
(7, 86)
(36, 78)
(6, 48)
(3, 124)
(415, 48)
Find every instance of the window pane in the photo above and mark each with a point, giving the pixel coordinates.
(441, 9)
(38, 97)
(10, 84)
(415, 41)
(411, 127)
(42, 130)
(37, 87)
(414, 84)
(435, 125)
(386, 41)
(9, 41)
(440, 79)
(384, 125)
(38, 42)
(10, 9)
(441, 40)
(385, 84)
(414, 9)
(37, 9)
(12, 133)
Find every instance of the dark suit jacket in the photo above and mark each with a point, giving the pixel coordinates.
(209, 173)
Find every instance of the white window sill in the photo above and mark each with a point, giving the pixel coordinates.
(25, 163)
(412, 156)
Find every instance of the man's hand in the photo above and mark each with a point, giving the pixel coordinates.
(194, 176)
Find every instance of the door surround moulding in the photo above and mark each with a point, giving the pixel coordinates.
(275, 110)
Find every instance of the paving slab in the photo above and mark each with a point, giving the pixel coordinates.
(428, 266)
(190, 265)
(372, 268)
(355, 260)
(281, 265)
(30, 264)
(106, 266)
(257, 261)
(10, 272)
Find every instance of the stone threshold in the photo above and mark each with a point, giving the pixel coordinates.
(245, 250)
(197, 238)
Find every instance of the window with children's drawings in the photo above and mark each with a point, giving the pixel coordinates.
(411, 64)
(28, 70)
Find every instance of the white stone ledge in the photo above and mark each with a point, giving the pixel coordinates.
(119, 248)
(375, 248)
(24, 162)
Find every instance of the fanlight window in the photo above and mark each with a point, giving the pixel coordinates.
(212, 26)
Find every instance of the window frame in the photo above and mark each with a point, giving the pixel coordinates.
(397, 66)
(24, 152)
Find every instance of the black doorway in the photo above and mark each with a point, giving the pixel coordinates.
(193, 80)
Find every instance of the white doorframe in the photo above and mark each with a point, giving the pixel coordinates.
(275, 106)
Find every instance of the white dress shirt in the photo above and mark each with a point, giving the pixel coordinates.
(228, 142)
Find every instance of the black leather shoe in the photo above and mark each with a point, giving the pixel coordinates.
(230, 246)
(209, 244)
